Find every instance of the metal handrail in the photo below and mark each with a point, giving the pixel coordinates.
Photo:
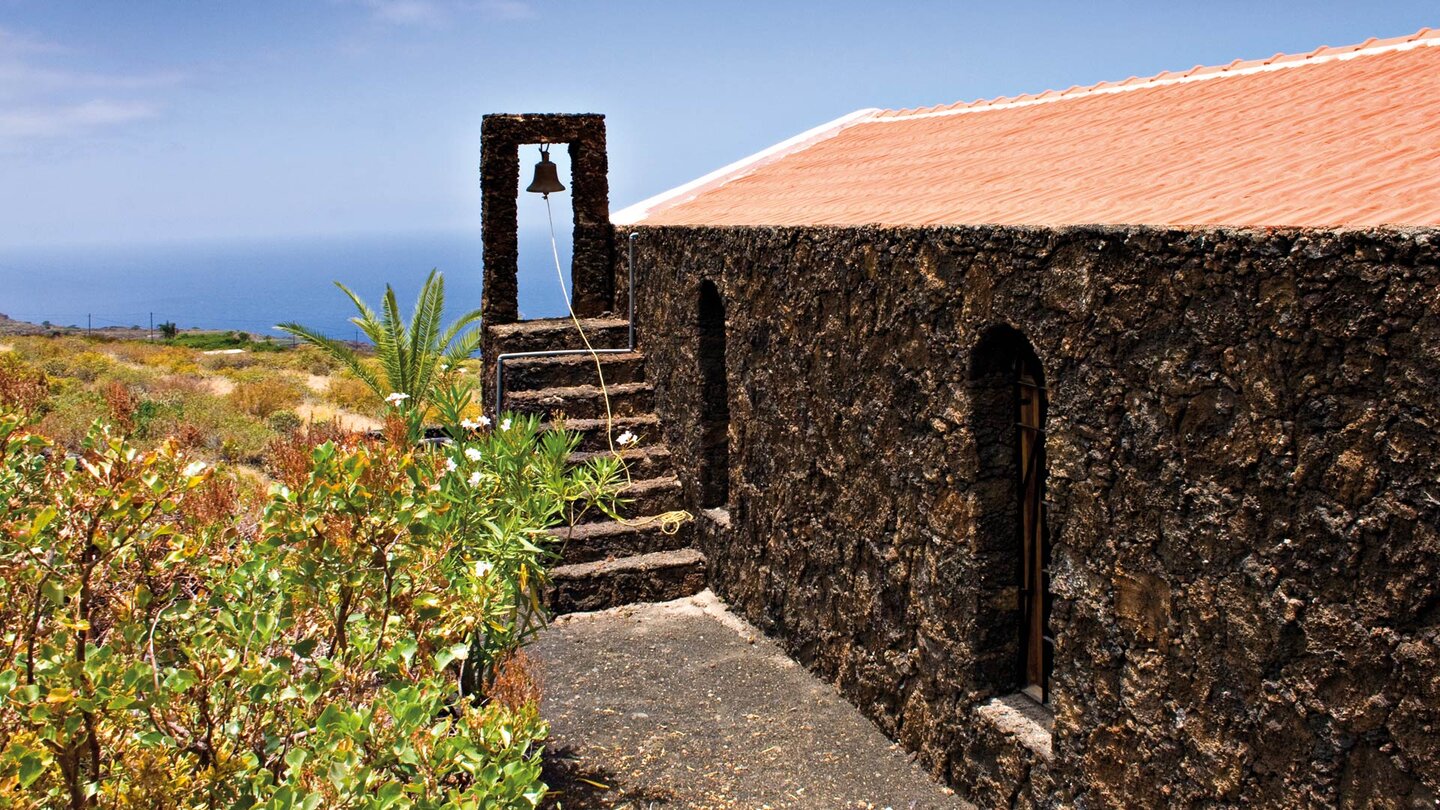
(630, 343)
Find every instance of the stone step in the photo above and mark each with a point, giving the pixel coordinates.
(550, 334)
(642, 462)
(655, 577)
(583, 401)
(593, 437)
(643, 496)
(532, 373)
(611, 539)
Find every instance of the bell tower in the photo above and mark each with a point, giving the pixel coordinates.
(591, 275)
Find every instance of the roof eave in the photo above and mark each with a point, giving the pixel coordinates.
(637, 213)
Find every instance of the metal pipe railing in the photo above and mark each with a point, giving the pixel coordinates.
(630, 342)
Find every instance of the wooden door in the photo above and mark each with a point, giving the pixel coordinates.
(1038, 644)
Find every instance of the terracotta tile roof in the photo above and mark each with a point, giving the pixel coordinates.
(1336, 137)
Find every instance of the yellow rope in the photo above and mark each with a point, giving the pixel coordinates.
(670, 522)
(599, 369)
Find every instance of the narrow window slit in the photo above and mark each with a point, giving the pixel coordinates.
(714, 400)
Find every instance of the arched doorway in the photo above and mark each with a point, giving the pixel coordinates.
(714, 400)
(1009, 403)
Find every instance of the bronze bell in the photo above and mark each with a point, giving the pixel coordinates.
(546, 179)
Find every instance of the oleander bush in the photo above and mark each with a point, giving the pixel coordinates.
(350, 638)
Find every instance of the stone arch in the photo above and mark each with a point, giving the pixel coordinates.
(1008, 408)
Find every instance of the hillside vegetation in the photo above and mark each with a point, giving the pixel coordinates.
(221, 397)
(342, 629)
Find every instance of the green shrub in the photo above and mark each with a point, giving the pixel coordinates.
(284, 422)
(71, 412)
(311, 360)
(85, 366)
(344, 652)
(212, 341)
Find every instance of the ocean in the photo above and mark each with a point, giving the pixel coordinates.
(251, 285)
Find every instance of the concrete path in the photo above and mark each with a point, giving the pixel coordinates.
(683, 705)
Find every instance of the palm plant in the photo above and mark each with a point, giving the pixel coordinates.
(411, 356)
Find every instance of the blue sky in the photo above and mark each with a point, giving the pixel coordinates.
(143, 121)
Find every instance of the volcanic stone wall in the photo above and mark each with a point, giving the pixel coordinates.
(1243, 495)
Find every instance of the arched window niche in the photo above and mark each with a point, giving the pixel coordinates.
(1009, 401)
(714, 399)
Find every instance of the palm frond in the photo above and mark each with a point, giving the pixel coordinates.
(366, 321)
(469, 318)
(339, 351)
(409, 352)
(394, 357)
(424, 327)
(463, 347)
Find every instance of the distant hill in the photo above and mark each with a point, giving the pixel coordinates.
(10, 326)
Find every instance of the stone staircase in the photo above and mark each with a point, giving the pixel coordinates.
(604, 562)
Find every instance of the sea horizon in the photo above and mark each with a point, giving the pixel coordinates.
(252, 284)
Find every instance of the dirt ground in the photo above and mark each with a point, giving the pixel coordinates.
(683, 705)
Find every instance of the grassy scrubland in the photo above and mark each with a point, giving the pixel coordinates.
(220, 406)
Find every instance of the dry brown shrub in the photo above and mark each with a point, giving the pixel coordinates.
(348, 392)
(221, 362)
(517, 682)
(122, 403)
(215, 501)
(176, 385)
(396, 431)
(188, 436)
(22, 386)
(170, 358)
(287, 457)
(260, 398)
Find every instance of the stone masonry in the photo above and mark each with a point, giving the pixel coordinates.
(1243, 496)
(501, 138)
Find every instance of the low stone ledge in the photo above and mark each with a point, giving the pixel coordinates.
(1018, 717)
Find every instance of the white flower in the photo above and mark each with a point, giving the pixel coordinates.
(434, 487)
(485, 421)
(472, 454)
(396, 398)
(475, 479)
(444, 368)
(450, 465)
(626, 438)
(505, 425)
(483, 567)
(194, 468)
(469, 424)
